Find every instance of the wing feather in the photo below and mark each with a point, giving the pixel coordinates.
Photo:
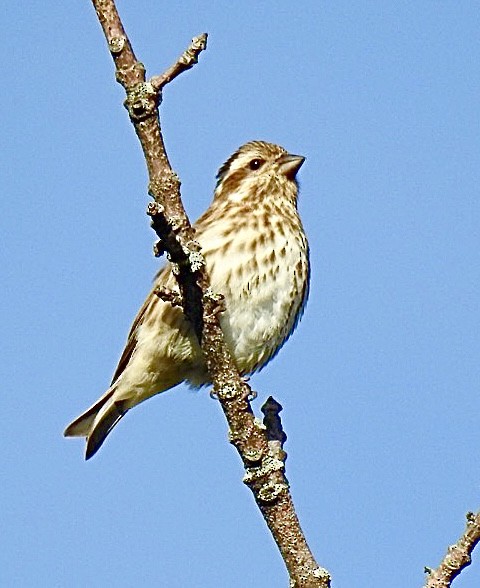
(151, 301)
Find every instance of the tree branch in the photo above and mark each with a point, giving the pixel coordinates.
(187, 60)
(458, 556)
(264, 461)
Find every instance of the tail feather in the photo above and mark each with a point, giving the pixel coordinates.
(97, 422)
(102, 426)
(83, 424)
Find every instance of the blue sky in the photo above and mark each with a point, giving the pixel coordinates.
(380, 382)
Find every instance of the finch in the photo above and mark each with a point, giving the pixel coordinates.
(256, 254)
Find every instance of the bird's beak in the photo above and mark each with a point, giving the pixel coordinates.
(290, 164)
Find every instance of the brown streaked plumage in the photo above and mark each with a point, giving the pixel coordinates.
(257, 256)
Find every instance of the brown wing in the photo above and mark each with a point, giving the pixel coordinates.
(151, 300)
(162, 278)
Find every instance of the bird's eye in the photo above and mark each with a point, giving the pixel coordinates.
(256, 164)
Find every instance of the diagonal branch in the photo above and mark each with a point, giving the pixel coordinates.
(458, 556)
(263, 461)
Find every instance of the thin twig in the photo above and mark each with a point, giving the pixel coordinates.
(264, 465)
(187, 60)
(458, 556)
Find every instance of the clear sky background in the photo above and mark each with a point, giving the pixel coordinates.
(380, 383)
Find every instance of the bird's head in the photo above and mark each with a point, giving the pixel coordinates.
(257, 170)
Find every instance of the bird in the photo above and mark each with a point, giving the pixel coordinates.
(257, 256)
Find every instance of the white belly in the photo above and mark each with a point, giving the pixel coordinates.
(262, 306)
